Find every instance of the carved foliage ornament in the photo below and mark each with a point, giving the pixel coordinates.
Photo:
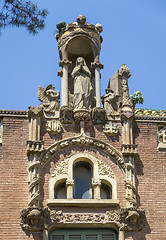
(37, 219)
(62, 168)
(110, 129)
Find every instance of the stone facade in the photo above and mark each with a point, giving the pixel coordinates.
(41, 148)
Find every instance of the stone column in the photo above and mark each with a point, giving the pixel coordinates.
(34, 150)
(96, 188)
(121, 235)
(97, 65)
(64, 81)
(69, 188)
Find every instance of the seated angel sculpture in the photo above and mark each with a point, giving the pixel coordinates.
(82, 85)
(50, 98)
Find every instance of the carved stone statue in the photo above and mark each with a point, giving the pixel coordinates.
(50, 98)
(82, 85)
(111, 102)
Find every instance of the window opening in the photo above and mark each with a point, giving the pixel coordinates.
(105, 192)
(60, 191)
(83, 174)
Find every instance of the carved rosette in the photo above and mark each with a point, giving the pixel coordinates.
(66, 115)
(98, 115)
(82, 115)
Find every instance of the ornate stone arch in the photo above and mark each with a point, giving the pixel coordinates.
(64, 171)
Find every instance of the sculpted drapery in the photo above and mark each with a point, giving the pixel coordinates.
(82, 85)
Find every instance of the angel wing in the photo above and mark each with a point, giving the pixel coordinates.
(41, 94)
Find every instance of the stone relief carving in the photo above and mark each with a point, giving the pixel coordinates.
(61, 168)
(50, 98)
(66, 115)
(111, 102)
(98, 115)
(161, 137)
(110, 129)
(82, 85)
(105, 169)
(53, 127)
(84, 140)
(38, 219)
(132, 219)
(34, 219)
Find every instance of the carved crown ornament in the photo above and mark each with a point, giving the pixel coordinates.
(37, 219)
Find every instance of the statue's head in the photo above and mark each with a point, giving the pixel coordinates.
(80, 60)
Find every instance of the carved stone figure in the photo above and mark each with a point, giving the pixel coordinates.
(132, 219)
(82, 84)
(110, 102)
(34, 219)
(98, 115)
(50, 98)
(66, 115)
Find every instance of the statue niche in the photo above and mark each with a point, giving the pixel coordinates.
(82, 85)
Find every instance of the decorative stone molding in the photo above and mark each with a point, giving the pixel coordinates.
(128, 149)
(38, 219)
(50, 99)
(53, 127)
(98, 115)
(83, 140)
(66, 115)
(65, 62)
(82, 115)
(35, 146)
(15, 113)
(110, 129)
(34, 219)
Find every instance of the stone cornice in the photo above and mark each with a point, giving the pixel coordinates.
(13, 113)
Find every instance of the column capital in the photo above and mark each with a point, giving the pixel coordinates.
(65, 61)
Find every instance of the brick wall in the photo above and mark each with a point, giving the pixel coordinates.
(150, 170)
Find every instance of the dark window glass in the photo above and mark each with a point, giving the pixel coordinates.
(60, 191)
(105, 192)
(82, 181)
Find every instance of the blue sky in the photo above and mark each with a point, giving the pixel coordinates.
(134, 33)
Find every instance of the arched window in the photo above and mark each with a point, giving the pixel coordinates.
(82, 174)
(60, 191)
(105, 192)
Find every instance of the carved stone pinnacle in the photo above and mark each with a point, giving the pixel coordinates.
(124, 71)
